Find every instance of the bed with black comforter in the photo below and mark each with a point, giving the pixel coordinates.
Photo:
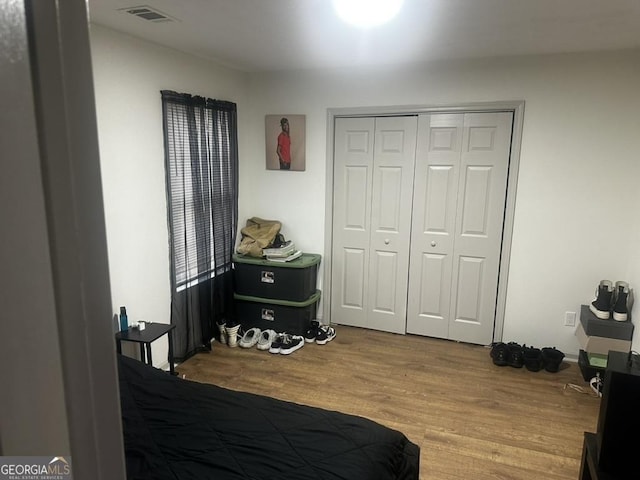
(179, 429)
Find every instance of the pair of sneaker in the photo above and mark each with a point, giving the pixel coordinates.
(535, 359)
(612, 301)
(228, 335)
(285, 343)
(504, 354)
(321, 334)
(254, 337)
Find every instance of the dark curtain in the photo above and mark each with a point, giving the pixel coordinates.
(201, 160)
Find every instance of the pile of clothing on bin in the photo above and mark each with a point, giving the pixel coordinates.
(259, 234)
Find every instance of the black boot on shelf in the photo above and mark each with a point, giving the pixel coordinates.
(601, 305)
(622, 301)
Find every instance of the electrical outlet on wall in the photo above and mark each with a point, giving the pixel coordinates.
(570, 319)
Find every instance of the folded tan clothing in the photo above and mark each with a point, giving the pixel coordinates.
(257, 235)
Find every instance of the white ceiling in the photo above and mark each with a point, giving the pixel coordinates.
(266, 35)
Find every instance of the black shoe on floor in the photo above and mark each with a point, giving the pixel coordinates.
(551, 359)
(532, 358)
(312, 332)
(291, 343)
(515, 358)
(276, 344)
(500, 354)
(325, 334)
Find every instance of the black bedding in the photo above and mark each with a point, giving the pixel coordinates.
(179, 429)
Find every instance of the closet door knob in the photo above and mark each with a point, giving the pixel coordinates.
(433, 243)
(386, 241)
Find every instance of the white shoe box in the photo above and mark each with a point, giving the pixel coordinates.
(601, 345)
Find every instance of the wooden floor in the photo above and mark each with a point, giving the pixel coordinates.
(472, 419)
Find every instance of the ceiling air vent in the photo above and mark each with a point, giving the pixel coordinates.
(148, 13)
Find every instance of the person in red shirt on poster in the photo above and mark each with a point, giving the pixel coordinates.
(284, 145)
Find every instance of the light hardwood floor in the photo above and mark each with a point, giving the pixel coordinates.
(472, 419)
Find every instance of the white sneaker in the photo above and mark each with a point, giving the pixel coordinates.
(250, 338)
(223, 333)
(266, 339)
(596, 385)
(232, 335)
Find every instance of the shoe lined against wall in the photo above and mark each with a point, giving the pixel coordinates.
(515, 357)
(232, 335)
(500, 354)
(534, 359)
(291, 343)
(222, 331)
(325, 334)
(250, 338)
(266, 339)
(551, 359)
(311, 334)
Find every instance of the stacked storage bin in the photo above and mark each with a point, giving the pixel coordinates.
(597, 337)
(280, 296)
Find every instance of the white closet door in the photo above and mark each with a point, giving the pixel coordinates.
(459, 201)
(353, 178)
(479, 225)
(374, 163)
(436, 182)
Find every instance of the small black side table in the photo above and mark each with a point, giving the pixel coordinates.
(152, 332)
(589, 469)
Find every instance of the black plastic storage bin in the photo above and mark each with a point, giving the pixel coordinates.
(279, 315)
(293, 281)
(588, 371)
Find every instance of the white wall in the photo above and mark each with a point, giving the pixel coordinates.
(576, 198)
(575, 220)
(129, 75)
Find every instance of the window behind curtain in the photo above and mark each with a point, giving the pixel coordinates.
(201, 166)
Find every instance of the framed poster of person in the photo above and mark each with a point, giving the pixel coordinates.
(285, 142)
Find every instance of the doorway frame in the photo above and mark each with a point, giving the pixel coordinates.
(515, 107)
(69, 402)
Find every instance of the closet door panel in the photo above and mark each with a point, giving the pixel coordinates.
(354, 261)
(469, 291)
(355, 210)
(433, 298)
(433, 225)
(441, 180)
(479, 225)
(393, 173)
(353, 177)
(475, 211)
(384, 265)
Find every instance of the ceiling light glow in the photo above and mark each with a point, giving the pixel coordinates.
(367, 13)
